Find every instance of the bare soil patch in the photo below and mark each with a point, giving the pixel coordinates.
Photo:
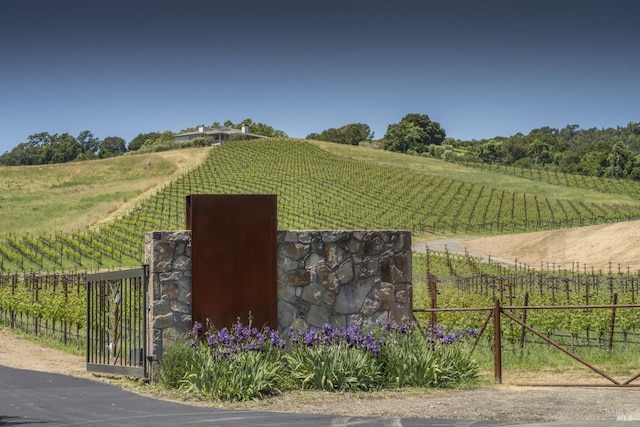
(21, 353)
(505, 402)
(596, 246)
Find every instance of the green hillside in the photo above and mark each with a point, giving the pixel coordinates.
(76, 195)
(330, 187)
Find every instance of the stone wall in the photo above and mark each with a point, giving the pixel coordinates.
(343, 277)
(337, 277)
(168, 255)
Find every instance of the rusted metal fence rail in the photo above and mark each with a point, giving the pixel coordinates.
(499, 313)
(558, 288)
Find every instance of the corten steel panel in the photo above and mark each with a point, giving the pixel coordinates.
(234, 256)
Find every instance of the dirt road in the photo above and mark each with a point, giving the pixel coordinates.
(598, 246)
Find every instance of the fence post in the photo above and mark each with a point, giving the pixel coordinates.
(613, 321)
(497, 343)
(524, 318)
(36, 322)
(14, 285)
(433, 291)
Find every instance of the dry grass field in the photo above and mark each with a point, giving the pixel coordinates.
(72, 196)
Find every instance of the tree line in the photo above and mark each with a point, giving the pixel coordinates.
(45, 148)
(414, 134)
(611, 152)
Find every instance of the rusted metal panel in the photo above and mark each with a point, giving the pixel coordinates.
(234, 256)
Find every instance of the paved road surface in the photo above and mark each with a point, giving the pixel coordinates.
(30, 398)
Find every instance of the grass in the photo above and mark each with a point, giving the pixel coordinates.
(538, 364)
(73, 196)
(458, 172)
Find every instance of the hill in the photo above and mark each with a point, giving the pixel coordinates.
(74, 196)
(319, 186)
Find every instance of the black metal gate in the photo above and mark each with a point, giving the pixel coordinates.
(116, 322)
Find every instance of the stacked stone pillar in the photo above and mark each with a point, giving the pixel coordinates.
(168, 255)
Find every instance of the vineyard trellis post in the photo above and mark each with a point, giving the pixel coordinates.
(524, 319)
(497, 343)
(613, 321)
(14, 285)
(433, 290)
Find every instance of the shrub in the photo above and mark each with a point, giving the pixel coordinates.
(240, 376)
(412, 361)
(335, 367)
(178, 359)
(241, 363)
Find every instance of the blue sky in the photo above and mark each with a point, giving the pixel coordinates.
(479, 68)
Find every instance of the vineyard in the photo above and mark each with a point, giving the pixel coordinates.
(54, 305)
(51, 306)
(590, 309)
(600, 184)
(603, 320)
(316, 190)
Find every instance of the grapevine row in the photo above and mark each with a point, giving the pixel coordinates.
(316, 190)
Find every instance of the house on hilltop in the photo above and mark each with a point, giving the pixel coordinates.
(218, 134)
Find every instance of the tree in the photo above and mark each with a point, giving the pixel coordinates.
(139, 140)
(414, 133)
(403, 137)
(514, 149)
(594, 163)
(112, 146)
(621, 161)
(40, 139)
(266, 130)
(256, 128)
(165, 138)
(62, 149)
(540, 151)
(355, 133)
(490, 151)
(45, 148)
(568, 132)
(90, 144)
(545, 130)
(22, 154)
(351, 134)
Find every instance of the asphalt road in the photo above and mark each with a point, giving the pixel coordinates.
(30, 398)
